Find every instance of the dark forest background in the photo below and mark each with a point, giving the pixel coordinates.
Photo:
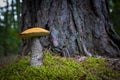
(10, 24)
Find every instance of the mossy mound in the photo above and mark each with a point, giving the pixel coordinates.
(57, 68)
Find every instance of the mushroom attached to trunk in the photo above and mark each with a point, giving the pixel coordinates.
(36, 48)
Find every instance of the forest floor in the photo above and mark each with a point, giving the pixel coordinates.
(113, 63)
(61, 68)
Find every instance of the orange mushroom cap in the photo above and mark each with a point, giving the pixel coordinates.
(34, 32)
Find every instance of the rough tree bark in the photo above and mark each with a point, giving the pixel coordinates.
(78, 27)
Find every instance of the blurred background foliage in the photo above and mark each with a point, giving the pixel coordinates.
(115, 14)
(10, 13)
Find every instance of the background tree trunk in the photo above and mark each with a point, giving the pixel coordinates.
(78, 27)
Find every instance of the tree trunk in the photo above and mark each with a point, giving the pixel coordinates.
(78, 27)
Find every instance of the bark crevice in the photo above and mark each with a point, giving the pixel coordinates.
(79, 29)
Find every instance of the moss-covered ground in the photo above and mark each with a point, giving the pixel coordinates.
(58, 68)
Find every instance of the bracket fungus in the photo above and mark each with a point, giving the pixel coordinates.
(36, 48)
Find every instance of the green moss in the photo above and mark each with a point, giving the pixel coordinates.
(58, 68)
